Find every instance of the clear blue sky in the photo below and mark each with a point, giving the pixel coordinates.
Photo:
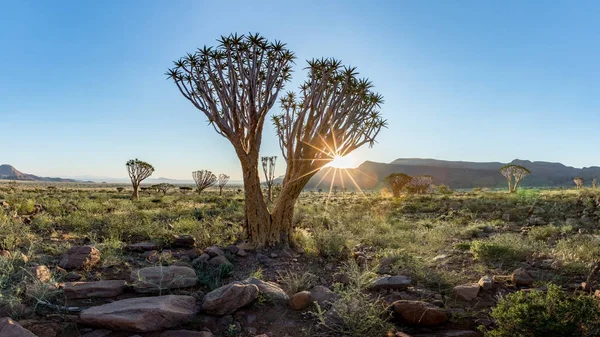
(82, 85)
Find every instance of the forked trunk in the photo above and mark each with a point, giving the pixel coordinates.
(136, 193)
(516, 185)
(258, 219)
(509, 186)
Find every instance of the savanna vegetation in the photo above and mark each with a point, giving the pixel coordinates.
(441, 241)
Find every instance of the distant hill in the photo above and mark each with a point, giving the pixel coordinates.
(7, 172)
(456, 174)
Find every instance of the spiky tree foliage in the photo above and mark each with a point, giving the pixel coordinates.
(138, 171)
(222, 181)
(335, 113)
(204, 179)
(397, 182)
(514, 174)
(268, 165)
(236, 83)
(185, 189)
(578, 182)
(420, 184)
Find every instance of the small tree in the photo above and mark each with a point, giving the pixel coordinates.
(514, 174)
(138, 171)
(578, 182)
(120, 189)
(397, 182)
(163, 187)
(222, 181)
(420, 184)
(204, 179)
(268, 165)
(594, 183)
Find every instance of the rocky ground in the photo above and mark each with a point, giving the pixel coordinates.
(439, 277)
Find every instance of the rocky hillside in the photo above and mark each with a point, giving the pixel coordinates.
(8, 172)
(456, 174)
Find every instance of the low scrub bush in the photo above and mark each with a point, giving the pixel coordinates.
(551, 313)
(509, 247)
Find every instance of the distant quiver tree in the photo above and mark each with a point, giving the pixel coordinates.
(420, 184)
(222, 181)
(138, 171)
(397, 182)
(578, 182)
(268, 165)
(203, 179)
(514, 174)
(237, 83)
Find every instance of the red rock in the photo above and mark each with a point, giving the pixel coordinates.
(142, 314)
(10, 328)
(301, 300)
(80, 257)
(106, 288)
(155, 279)
(467, 291)
(420, 313)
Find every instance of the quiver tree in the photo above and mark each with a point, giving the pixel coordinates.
(594, 183)
(138, 171)
(163, 187)
(236, 84)
(514, 174)
(419, 184)
(222, 181)
(578, 182)
(396, 182)
(268, 165)
(204, 179)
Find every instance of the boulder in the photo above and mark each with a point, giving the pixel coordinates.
(467, 291)
(186, 333)
(301, 300)
(185, 241)
(399, 282)
(214, 251)
(322, 295)
(143, 246)
(155, 279)
(486, 282)
(105, 288)
(41, 273)
(80, 257)
(420, 313)
(142, 314)
(521, 277)
(228, 298)
(270, 289)
(10, 328)
(219, 260)
(241, 253)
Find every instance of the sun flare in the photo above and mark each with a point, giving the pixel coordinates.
(345, 162)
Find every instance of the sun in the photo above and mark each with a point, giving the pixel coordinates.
(345, 162)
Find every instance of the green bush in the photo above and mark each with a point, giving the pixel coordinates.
(503, 247)
(331, 244)
(546, 314)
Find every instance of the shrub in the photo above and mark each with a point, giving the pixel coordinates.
(353, 314)
(502, 247)
(294, 281)
(546, 314)
(331, 244)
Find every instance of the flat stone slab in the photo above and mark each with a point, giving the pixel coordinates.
(10, 328)
(142, 314)
(155, 279)
(106, 288)
(143, 246)
(398, 282)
